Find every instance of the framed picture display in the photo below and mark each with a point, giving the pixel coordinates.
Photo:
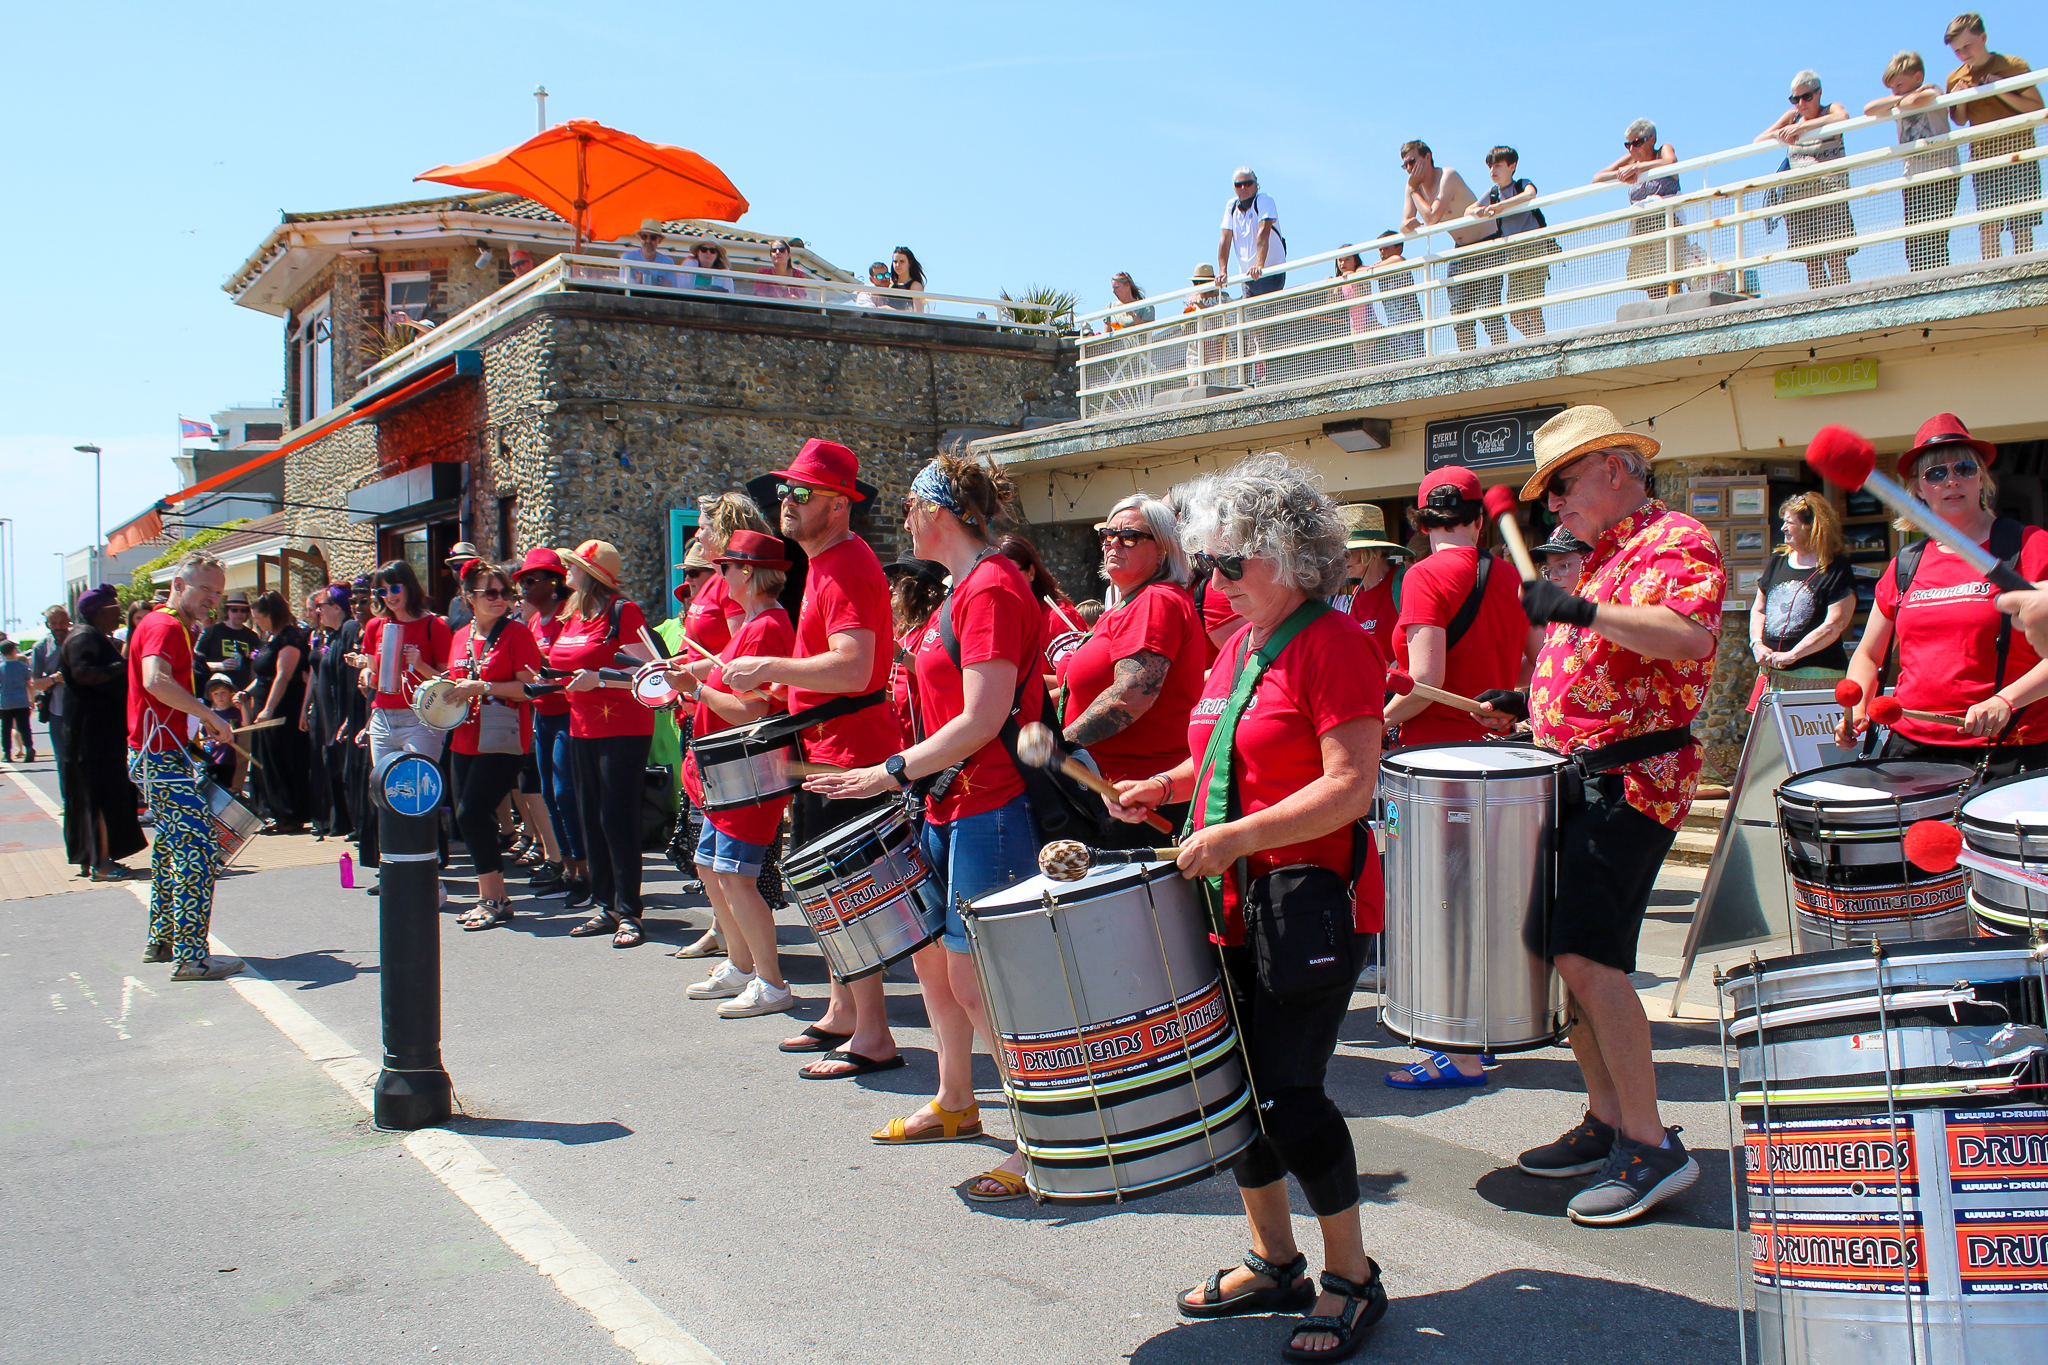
(1747, 540)
(1707, 504)
(1746, 501)
(1746, 577)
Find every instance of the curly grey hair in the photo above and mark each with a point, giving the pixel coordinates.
(1165, 528)
(1268, 506)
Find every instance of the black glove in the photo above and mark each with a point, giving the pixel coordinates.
(1544, 603)
(1514, 704)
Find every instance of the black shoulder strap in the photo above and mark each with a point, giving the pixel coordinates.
(613, 612)
(2007, 537)
(1468, 612)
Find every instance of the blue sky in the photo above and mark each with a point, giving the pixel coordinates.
(1008, 144)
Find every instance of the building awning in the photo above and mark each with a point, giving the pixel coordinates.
(462, 364)
(148, 526)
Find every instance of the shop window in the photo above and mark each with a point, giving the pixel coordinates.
(316, 359)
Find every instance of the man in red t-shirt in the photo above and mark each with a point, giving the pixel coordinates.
(1496, 646)
(844, 639)
(184, 863)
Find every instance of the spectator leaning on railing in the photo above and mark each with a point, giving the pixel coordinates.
(1440, 195)
(1360, 316)
(1127, 292)
(779, 265)
(1636, 168)
(1251, 234)
(1906, 77)
(1995, 187)
(1504, 202)
(1400, 310)
(710, 256)
(1799, 129)
(905, 273)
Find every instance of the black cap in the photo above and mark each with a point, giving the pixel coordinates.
(1562, 542)
(930, 571)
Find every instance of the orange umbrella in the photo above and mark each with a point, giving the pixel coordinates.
(602, 180)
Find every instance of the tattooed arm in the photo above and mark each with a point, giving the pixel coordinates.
(1131, 692)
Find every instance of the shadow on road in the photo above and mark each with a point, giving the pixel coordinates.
(322, 967)
(568, 1134)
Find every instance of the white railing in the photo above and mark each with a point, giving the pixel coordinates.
(1735, 239)
(683, 280)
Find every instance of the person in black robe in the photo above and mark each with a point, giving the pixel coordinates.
(329, 705)
(283, 782)
(100, 802)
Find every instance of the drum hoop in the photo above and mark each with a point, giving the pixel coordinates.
(1936, 952)
(1396, 762)
(707, 747)
(1146, 874)
(1875, 799)
(823, 848)
(426, 692)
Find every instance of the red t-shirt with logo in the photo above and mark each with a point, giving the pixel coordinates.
(1947, 629)
(994, 617)
(602, 712)
(429, 634)
(844, 591)
(514, 650)
(1375, 609)
(768, 635)
(153, 726)
(712, 616)
(544, 630)
(1328, 675)
(1489, 655)
(1159, 620)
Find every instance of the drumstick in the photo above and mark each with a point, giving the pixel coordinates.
(1887, 711)
(1935, 847)
(1400, 684)
(1845, 458)
(813, 769)
(709, 657)
(1068, 860)
(1500, 505)
(1035, 746)
(259, 725)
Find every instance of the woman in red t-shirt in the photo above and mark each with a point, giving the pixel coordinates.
(406, 648)
(979, 832)
(916, 587)
(1947, 624)
(1303, 755)
(608, 736)
(735, 842)
(544, 593)
(713, 614)
(492, 658)
(1131, 683)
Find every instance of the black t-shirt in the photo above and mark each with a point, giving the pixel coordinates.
(263, 664)
(231, 645)
(1795, 600)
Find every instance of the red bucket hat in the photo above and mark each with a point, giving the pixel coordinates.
(827, 465)
(1943, 429)
(541, 559)
(754, 550)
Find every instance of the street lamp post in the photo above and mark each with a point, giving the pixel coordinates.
(9, 588)
(98, 519)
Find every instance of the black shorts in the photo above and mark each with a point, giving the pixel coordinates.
(1608, 857)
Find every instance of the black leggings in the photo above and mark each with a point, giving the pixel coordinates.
(611, 782)
(16, 718)
(1287, 1044)
(481, 781)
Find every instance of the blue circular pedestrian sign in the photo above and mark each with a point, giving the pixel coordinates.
(411, 785)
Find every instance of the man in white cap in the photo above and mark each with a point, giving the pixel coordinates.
(1624, 669)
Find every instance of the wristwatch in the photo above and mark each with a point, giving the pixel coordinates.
(893, 765)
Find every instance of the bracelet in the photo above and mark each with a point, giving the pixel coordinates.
(1165, 781)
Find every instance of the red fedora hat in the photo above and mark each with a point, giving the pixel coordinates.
(827, 465)
(541, 559)
(1943, 429)
(754, 550)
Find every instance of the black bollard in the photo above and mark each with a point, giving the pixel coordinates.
(413, 1090)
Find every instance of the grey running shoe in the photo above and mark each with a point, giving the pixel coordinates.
(1635, 1179)
(207, 969)
(157, 951)
(1581, 1151)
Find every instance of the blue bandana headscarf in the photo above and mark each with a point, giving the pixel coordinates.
(937, 489)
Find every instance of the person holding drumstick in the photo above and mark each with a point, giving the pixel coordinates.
(838, 671)
(543, 592)
(729, 854)
(1286, 741)
(979, 832)
(1131, 683)
(609, 733)
(1958, 654)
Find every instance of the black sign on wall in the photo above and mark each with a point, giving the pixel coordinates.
(1491, 440)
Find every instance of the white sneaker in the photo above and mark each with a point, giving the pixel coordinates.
(758, 998)
(725, 981)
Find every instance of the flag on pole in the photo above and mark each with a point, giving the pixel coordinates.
(189, 429)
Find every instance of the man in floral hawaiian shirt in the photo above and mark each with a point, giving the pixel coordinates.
(1624, 668)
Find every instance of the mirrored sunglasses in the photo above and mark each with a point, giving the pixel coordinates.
(1938, 473)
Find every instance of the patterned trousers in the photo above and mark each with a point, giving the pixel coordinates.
(186, 857)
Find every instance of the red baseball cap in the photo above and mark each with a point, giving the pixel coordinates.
(1943, 429)
(1453, 476)
(827, 465)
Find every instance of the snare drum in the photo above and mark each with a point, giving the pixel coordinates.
(1120, 1054)
(234, 824)
(1851, 883)
(747, 765)
(436, 708)
(864, 888)
(2008, 820)
(1471, 837)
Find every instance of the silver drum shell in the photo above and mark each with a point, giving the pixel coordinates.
(2007, 821)
(867, 892)
(1851, 883)
(741, 772)
(1122, 962)
(1469, 873)
(234, 824)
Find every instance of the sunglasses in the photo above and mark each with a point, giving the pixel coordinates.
(238, 611)
(1242, 184)
(1408, 162)
(390, 590)
(795, 492)
(491, 594)
(1123, 535)
(1635, 142)
(1561, 485)
(778, 251)
(694, 574)
(1802, 97)
(1230, 566)
(1938, 473)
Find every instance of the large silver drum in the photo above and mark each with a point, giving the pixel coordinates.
(1896, 1152)
(1471, 835)
(1843, 826)
(865, 890)
(1119, 1050)
(2008, 821)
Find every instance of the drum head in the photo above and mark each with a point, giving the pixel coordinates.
(651, 688)
(1102, 880)
(436, 708)
(2016, 804)
(1063, 645)
(1472, 760)
(1868, 781)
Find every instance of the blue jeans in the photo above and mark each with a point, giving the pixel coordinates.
(557, 784)
(721, 852)
(979, 854)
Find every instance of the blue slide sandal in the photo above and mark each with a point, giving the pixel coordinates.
(1447, 1076)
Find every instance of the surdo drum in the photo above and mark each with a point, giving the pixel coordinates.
(1471, 837)
(1895, 1151)
(2008, 820)
(746, 765)
(865, 890)
(1851, 883)
(1119, 1052)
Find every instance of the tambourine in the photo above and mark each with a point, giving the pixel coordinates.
(651, 687)
(1063, 645)
(436, 707)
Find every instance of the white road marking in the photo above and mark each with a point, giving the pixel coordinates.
(120, 1029)
(57, 1002)
(129, 985)
(37, 795)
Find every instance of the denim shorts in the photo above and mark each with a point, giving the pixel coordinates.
(723, 853)
(978, 854)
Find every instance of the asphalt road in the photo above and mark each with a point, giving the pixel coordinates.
(185, 1184)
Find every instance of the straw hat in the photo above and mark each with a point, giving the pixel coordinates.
(1204, 274)
(653, 225)
(1366, 526)
(1571, 434)
(461, 552)
(694, 558)
(598, 558)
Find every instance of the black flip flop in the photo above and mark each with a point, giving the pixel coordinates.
(862, 1066)
(821, 1040)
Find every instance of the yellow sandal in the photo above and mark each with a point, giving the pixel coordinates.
(1013, 1187)
(955, 1125)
